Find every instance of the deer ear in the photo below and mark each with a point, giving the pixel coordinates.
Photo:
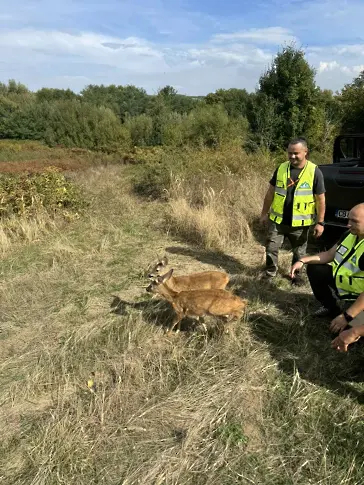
(166, 276)
(164, 261)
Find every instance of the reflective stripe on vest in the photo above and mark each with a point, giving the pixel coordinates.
(349, 278)
(304, 206)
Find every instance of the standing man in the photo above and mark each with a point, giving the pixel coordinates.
(295, 200)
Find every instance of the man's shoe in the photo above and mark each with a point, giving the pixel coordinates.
(271, 273)
(325, 312)
(321, 312)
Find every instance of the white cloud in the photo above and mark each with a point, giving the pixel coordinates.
(57, 58)
(328, 66)
(30, 46)
(335, 66)
(269, 35)
(128, 60)
(151, 44)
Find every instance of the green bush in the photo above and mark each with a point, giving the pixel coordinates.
(211, 127)
(153, 180)
(70, 123)
(174, 130)
(25, 194)
(28, 122)
(141, 129)
(79, 124)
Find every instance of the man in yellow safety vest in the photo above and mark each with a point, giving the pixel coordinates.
(338, 274)
(295, 200)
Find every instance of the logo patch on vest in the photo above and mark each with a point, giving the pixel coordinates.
(341, 249)
(305, 185)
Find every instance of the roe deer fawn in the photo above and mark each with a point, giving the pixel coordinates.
(197, 303)
(204, 280)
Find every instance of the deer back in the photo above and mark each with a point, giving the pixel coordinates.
(208, 302)
(199, 281)
(204, 280)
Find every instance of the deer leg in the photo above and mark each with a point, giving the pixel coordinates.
(234, 315)
(228, 318)
(229, 321)
(201, 321)
(177, 320)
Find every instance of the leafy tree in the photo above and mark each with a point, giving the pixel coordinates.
(14, 99)
(28, 122)
(174, 130)
(141, 129)
(210, 126)
(351, 100)
(324, 122)
(263, 118)
(13, 87)
(53, 94)
(159, 111)
(235, 101)
(7, 110)
(168, 92)
(79, 124)
(177, 102)
(123, 100)
(290, 84)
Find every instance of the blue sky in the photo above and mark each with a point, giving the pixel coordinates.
(197, 47)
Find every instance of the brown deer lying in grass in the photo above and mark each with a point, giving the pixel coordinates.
(197, 303)
(204, 280)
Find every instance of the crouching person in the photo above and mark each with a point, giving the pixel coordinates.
(338, 274)
(356, 330)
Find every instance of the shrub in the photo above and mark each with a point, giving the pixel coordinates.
(24, 194)
(174, 130)
(141, 129)
(153, 180)
(211, 127)
(79, 124)
(154, 175)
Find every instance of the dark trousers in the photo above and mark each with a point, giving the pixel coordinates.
(323, 286)
(297, 236)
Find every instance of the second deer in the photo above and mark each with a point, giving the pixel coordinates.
(204, 280)
(197, 303)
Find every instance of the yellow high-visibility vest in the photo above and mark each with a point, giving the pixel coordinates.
(349, 278)
(304, 205)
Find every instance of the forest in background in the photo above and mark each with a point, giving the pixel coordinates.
(116, 118)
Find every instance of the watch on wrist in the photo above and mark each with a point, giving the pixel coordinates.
(321, 223)
(348, 317)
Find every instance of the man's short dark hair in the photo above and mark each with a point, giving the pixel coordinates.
(301, 140)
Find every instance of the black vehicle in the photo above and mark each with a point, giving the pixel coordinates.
(344, 183)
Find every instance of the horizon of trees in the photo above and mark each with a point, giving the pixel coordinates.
(287, 103)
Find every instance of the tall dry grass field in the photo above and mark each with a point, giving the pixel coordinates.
(216, 212)
(269, 404)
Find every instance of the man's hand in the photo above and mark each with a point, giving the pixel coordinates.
(296, 267)
(318, 230)
(263, 220)
(344, 339)
(338, 324)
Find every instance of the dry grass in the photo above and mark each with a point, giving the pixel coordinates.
(21, 230)
(216, 212)
(32, 156)
(270, 404)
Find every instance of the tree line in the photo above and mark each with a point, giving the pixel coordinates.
(286, 103)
